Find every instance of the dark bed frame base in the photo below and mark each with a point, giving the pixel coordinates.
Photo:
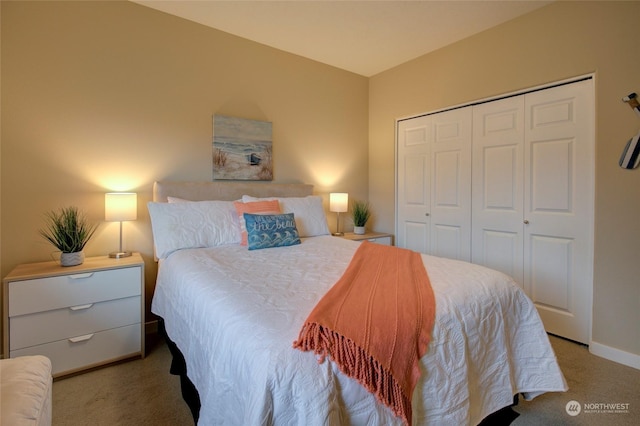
(179, 368)
(503, 417)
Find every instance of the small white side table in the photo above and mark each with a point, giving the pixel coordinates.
(79, 317)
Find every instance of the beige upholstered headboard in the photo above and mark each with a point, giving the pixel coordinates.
(228, 191)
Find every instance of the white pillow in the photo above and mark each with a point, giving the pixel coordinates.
(311, 220)
(195, 224)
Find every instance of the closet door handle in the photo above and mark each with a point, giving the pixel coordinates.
(526, 222)
(426, 214)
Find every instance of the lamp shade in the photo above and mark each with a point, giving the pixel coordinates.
(338, 202)
(120, 206)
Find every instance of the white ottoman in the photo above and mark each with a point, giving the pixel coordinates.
(25, 391)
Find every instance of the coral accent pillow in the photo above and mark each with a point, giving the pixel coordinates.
(255, 207)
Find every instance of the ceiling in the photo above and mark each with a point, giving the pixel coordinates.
(364, 37)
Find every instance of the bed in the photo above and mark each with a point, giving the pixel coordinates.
(231, 314)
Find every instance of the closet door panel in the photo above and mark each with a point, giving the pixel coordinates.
(502, 251)
(414, 184)
(558, 207)
(415, 236)
(500, 188)
(552, 192)
(550, 268)
(451, 184)
(447, 241)
(498, 167)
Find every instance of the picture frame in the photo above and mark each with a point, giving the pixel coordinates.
(241, 149)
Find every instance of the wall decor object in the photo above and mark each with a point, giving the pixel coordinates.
(632, 100)
(242, 149)
(630, 158)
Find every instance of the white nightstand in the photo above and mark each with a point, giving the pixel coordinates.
(374, 237)
(80, 316)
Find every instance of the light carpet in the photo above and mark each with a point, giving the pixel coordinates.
(142, 392)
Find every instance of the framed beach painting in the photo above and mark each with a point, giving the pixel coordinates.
(242, 149)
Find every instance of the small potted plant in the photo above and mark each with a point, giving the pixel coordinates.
(360, 213)
(69, 231)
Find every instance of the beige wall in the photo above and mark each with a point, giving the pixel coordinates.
(103, 96)
(556, 42)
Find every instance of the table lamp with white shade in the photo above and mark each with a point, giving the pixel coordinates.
(338, 203)
(120, 207)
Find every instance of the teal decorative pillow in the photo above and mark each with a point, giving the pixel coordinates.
(271, 230)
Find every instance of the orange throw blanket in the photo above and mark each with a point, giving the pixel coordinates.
(375, 323)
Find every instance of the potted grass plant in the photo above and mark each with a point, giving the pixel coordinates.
(360, 214)
(69, 231)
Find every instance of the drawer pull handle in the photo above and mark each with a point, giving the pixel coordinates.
(80, 276)
(80, 338)
(81, 307)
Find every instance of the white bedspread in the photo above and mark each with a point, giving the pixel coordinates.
(235, 313)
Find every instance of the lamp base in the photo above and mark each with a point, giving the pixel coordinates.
(338, 234)
(119, 254)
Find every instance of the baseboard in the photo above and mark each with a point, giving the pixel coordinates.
(616, 355)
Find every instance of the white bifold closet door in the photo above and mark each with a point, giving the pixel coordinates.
(513, 190)
(533, 199)
(434, 184)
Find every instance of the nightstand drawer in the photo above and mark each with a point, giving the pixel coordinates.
(379, 240)
(45, 294)
(84, 351)
(374, 237)
(49, 326)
